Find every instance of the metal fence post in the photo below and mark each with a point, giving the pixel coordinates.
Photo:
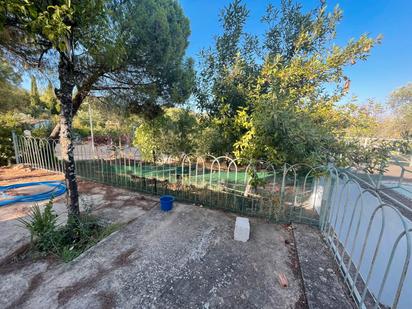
(327, 196)
(16, 147)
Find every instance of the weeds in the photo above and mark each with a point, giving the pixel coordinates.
(64, 241)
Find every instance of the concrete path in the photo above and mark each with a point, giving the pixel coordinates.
(183, 259)
(324, 287)
(113, 204)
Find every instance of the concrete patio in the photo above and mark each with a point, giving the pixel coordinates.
(185, 258)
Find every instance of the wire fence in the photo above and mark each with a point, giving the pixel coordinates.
(370, 238)
(252, 188)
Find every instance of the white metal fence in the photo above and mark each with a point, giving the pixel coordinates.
(370, 239)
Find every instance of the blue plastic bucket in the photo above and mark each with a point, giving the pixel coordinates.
(166, 202)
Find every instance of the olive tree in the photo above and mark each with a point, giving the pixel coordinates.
(276, 96)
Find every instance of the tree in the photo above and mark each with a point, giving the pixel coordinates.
(34, 94)
(227, 71)
(401, 96)
(8, 122)
(50, 100)
(13, 98)
(400, 100)
(211, 139)
(292, 117)
(362, 120)
(7, 74)
(111, 123)
(130, 49)
(14, 101)
(173, 133)
(286, 114)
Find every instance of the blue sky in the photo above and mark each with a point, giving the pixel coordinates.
(389, 66)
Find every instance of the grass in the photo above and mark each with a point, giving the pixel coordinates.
(70, 251)
(171, 172)
(224, 190)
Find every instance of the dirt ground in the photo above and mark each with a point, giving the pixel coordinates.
(22, 173)
(394, 171)
(186, 258)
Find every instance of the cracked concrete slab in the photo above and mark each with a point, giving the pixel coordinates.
(111, 204)
(324, 287)
(186, 258)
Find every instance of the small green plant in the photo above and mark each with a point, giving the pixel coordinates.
(66, 241)
(42, 227)
(68, 254)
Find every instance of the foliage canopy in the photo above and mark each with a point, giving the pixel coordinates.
(275, 98)
(131, 49)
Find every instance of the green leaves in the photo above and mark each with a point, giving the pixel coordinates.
(173, 133)
(42, 226)
(400, 101)
(373, 157)
(281, 107)
(52, 22)
(66, 241)
(401, 97)
(228, 68)
(132, 49)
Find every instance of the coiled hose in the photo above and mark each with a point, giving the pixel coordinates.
(57, 188)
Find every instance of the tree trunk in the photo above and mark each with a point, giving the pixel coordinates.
(81, 94)
(68, 159)
(154, 156)
(65, 95)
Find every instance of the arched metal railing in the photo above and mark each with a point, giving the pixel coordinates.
(370, 239)
(371, 242)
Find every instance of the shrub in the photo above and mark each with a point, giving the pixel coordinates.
(172, 133)
(42, 227)
(374, 157)
(42, 131)
(8, 123)
(6, 146)
(67, 241)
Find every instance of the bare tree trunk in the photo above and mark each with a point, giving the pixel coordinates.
(66, 116)
(154, 156)
(68, 159)
(82, 93)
